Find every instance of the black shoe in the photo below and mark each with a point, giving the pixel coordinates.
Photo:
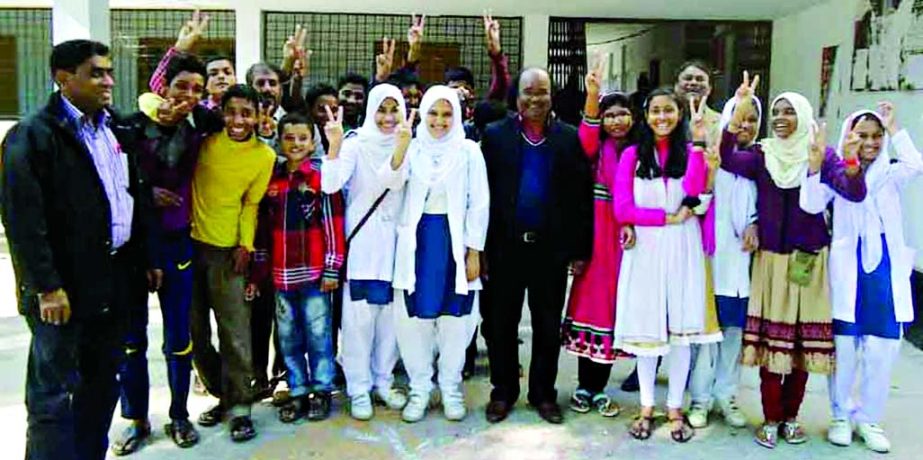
(182, 433)
(631, 385)
(132, 439)
(497, 411)
(212, 416)
(241, 429)
(550, 412)
(318, 406)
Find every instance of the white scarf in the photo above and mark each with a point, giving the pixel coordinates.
(379, 144)
(431, 159)
(787, 159)
(741, 203)
(865, 216)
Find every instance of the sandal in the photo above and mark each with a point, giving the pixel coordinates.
(242, 429)
(212, 416)
(767, 435)
(581, 401)
(684, 433)
(182, 433)
(605, 406)
(292, 411)
(793, 433)
(132, 439)
(642, 428)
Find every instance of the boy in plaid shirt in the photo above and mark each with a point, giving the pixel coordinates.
(300, 243)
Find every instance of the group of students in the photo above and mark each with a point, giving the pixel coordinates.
(707, 246)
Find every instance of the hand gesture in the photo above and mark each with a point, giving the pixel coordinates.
(851, 145)
(405, 129)
(680, 216)
(334, 127)
(266, 123)
(385, 61)
(713, 158)
(818, 149)
(191, 32)
(164, 198)
(54, 307)
(697, 119)
(594, 77)
(169, 112)
(300, 66)
(492, 33)
(415, 37)
(745, 94)
(888, 119)
(294, 48)
(627, 237)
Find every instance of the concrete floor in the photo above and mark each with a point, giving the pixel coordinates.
(522, 436)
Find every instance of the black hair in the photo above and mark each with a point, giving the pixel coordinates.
(459, 74)
(404, 78)
(697, 63)
(183, 62)
(295, 118)
(242, 92)
(867, 116)
(512, 96)
(263, 67)
(622, 100)
(488, 112)
(219, 57)
(353, 78)
(316, 91)
(70, 54)
(647, 149)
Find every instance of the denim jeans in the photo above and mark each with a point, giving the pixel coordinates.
(305, 325)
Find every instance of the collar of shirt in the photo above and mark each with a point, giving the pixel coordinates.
(78, 119)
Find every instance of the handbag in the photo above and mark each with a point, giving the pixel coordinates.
(801, 267)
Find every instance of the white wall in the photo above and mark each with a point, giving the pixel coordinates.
(797, 44)
(629, 48)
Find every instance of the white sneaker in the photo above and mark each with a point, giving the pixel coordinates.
(698, 416)
(840, 432)
(393, 398)
(416, 406)
(874, 437)
(732, 414)
(360, 407)
(453, 406)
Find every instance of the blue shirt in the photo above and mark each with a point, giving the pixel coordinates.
(534, 185)
(111, 165)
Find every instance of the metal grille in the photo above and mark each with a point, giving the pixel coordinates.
(25, 49)
(141, 37)
(349, 42)
(567, 65)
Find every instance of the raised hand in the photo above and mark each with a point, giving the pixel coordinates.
(404, 135)
(492, 33)
(334, 127)
(851, 145)
(594, 77)
(385, 61)
(697, 119)
(191, 32)
(293, 48)
(415, 37)
(888, 119)
(747, 88)
(818, 148)
(266, 124)
(713, 158)
(169, 112)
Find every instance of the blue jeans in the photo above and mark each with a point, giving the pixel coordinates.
(175, 299)
(305, 325)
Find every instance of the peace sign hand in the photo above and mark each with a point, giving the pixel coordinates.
(593, 78)
(818, 148)
(191, 32)
(746, 90)
(170, 112)
(293, 49)
(385, 60)
(697, 119)
(415, 36)
(886, 110)
(713, 158)
(333, 129)
(492, 33)
(405, 129)
(266, 124)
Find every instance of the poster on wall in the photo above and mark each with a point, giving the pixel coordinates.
(888, 46)
(827, 64)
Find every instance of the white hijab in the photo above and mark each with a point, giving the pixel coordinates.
(787, 159)
(432, 160)
(369, 133)
(741, 203)
(865, 215)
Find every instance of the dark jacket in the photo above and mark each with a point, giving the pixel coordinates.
(57, 215)
(569, 224)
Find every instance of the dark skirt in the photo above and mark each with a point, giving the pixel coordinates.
(434, 294)
(874, 302)
(374, 292)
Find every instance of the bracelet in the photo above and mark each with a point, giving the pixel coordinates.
(851, 162)
(702, 144)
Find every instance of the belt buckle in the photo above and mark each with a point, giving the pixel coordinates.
(529, 237)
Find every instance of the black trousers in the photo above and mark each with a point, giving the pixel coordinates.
(262, 324)
(524, 267)
(71, 386)
(592, 376)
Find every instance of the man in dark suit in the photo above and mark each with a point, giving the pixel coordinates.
(540, 223)
(76, 214)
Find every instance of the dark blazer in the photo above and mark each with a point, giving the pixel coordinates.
(57, 215)
(569, 232)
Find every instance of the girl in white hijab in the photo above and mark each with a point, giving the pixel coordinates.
(364, 167)
(870, 268)
(442, 231)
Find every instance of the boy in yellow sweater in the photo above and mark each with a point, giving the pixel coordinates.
(231, 178)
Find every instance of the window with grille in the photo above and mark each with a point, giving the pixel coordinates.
(141, 37)
(349, 42)
(25, 49)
